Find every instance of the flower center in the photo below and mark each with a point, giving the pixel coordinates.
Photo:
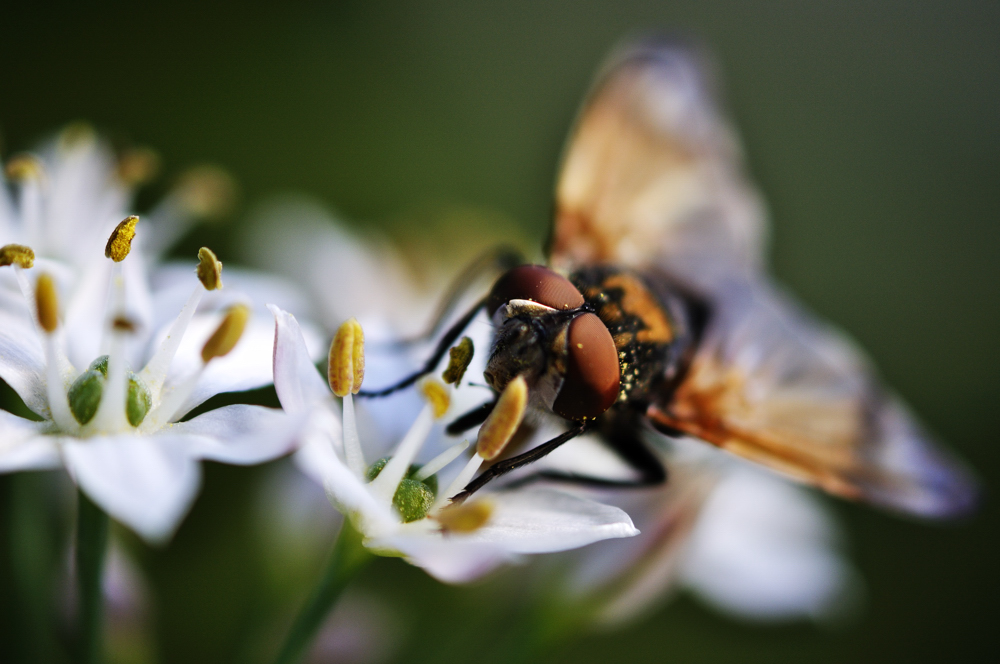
(108, 397)
(86, 391)
(414, 497)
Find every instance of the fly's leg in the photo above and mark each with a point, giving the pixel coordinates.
(471, 419)
(628, 444)
(496, 260)
(442, 347)
(513, 463)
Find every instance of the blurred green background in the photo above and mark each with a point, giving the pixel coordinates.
(872, 129)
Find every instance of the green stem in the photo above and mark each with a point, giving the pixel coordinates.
(91, 547)
(347, 558)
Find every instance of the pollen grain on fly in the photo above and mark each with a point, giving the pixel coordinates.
(120, 242)
(17, 254)
(209, 269)
(503, 422)
(228, 334)
(346, 369)
(47, 303)
(437, 396)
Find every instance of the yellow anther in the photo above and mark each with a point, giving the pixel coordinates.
(124, 324)
(207, 191)
(120, 242)
(459, 358)
(437, 396)
(346, 367)
(47, 303)
(465, 517)
(76, 134)
(17, 254)
(24, 167)
(209, 269)
(506, 417)
(228, 334)
(138, 166)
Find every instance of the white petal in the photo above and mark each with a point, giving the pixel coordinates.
(318, 459)
(452, 560)
(239, 434)
(296, 379)
(542, 520)
(22, 360)
(146, 482)
(764, 548)
(23, 447)
(347, 276)
(246, 367)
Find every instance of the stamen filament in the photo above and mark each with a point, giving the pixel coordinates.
(352, 442)
(156, 370)
(440, 461)
(171, 401)
(459, 483)
(28, 293)
(385, 484)
(116, 305)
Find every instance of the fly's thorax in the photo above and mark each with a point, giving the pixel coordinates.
(649, 321)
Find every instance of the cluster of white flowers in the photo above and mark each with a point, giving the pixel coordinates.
(92, 342)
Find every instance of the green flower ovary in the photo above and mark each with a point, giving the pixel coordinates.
(413, 498)
(86, 391)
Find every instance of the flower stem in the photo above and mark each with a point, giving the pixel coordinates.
(91, 546)
(349, 556)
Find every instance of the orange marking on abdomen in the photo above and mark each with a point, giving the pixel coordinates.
(639, 302)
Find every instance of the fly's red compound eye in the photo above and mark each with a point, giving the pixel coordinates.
(592, 372)
(535, 283)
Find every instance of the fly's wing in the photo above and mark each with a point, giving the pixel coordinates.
(652, 175)
(773, 385)
(652, 179)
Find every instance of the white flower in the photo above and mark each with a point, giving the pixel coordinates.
(743, 539)
(453, 543)
(117, 432)
(67, 200)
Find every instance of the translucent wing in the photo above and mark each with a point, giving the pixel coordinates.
(652, 175)
(773, 385)
(653, 179)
